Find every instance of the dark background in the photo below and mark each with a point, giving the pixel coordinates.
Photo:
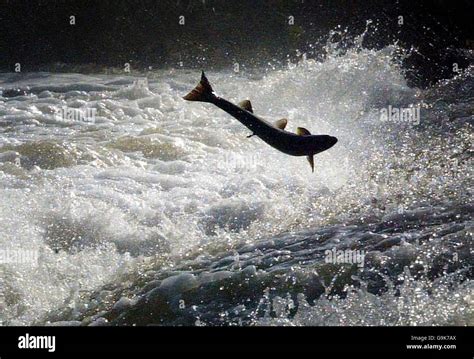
(218, 33)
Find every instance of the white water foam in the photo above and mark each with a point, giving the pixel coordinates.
(153, 174)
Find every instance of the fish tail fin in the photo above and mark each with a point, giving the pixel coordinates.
(202, 92)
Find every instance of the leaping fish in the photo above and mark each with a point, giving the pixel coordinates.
(303, 143)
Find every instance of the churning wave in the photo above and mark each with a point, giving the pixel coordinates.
(144, 209)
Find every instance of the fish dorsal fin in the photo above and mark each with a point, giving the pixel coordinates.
(281, 124)
(246, 105)
(301, 131)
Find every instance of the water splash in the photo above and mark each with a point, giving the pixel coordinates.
(153, 176)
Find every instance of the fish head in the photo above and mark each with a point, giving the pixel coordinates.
(332, 141)
(323, 143)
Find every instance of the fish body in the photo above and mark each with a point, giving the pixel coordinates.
(303, 143)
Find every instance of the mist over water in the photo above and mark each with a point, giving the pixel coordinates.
(157, 200)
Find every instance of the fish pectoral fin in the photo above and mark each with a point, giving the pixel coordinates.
(311, 162)
(246, 105)
(253, 134)
(301, 131)
(281, 124)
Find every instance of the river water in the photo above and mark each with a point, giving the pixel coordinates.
(141, 208)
